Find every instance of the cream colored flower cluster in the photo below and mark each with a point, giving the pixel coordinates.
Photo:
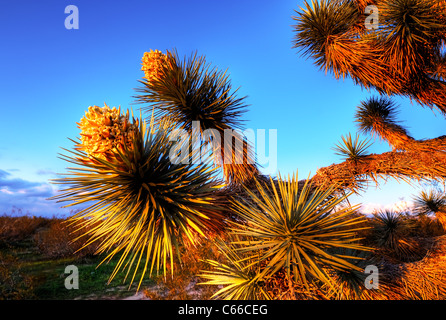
(104, 130)
(152, 64)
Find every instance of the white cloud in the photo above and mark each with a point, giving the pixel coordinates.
(20, 196)
(4, 190)
(402, 205)
(46, 172)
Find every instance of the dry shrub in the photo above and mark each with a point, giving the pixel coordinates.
(14, 229)
(59, 240)
(426, 227)
(14, 284)
(184, 285)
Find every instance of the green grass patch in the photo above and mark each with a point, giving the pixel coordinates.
(93, 280)
(27, 273)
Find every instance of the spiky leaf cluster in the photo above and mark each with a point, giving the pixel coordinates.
(145, 211)
(403, 56)
(352, 149)
(374, 110)
(192, 92)
(377, 115)
(413, 31)
(319, 24)
(431, 201)
(238, 275)
(391, 232)
(289, 229)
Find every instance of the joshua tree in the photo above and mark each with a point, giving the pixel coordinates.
(191, 91)
(402, 55)
(140, 205)
(145, 208)
(287, 235)
(292, 242)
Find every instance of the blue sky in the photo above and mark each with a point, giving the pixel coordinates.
(50, 75)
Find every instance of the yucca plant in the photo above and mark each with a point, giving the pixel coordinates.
(431, 202)
(191, 92)
(391, 233)
(189, 89)
(352, 149)
(290, 229)
(377, 115)
(140, 205)
(239, 276)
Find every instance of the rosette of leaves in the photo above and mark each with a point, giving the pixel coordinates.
(292, 230)
(192, 92)
(238, 276)
(391, 233)
(402, 55)
(431, 202)
(352, 149)
(377, 115)
(137, 203)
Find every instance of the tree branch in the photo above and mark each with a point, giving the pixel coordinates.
(406, 165)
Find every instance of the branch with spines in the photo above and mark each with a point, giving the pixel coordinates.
(377, 116)
(191, 90)
(403, 56)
